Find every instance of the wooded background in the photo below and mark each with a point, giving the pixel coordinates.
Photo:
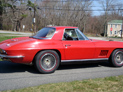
(30, 15)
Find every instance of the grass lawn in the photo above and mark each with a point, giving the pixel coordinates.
(108, 84)
(3, 36)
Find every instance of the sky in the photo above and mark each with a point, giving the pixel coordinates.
(97, 6)
(96, 13)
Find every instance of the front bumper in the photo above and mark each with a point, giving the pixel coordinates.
(7, 56)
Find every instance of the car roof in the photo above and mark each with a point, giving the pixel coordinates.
(62, 27)
(60, 31)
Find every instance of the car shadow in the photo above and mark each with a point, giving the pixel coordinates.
(83, 65)
(9, 67)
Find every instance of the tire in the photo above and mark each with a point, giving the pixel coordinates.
(117, 58)
(47, 61)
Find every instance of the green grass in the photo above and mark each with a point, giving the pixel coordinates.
(4, 36)
(108, 84)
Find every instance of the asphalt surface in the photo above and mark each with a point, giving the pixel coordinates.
(11, 33)
(16, 76)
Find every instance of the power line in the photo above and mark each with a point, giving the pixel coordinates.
(65, 0)
(109, 5)
(49, 8)
(60, 8)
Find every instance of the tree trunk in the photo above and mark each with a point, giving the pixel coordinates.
(19, 25)
(1, 13)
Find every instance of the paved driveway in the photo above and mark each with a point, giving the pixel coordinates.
(15, 76)
(17, 33)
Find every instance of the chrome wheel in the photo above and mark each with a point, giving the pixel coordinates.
(119, 57)
(48, 61)
(116, 58)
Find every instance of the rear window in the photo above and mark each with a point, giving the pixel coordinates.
(45, 33)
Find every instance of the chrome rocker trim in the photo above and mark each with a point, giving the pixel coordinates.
(82, 60)
(6, 56)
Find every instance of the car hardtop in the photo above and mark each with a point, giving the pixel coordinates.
(63, 27)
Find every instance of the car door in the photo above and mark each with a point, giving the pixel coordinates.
(76, 46)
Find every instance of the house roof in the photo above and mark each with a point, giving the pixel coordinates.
(115, 22)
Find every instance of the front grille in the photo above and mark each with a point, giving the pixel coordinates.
(2, 51)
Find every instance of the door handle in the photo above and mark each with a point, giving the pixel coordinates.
(67, 45)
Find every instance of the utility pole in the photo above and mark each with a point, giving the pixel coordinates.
(34, 19)
(122, 26)
(1, 13)
(105, 28)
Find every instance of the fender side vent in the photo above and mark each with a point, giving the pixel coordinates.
(103, 53)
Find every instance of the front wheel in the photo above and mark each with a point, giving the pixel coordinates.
(47, 61)
(117, 58)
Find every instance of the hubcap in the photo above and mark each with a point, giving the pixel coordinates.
(119, 57)
(48, 61)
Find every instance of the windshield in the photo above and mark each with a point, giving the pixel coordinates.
(45, 33)
(82, 34)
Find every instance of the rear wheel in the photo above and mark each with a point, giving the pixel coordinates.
(117, 58)
(47, 61)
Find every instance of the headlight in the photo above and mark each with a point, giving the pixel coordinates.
(2, 51)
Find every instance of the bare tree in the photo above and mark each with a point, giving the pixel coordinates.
(60, 13)
(16, 12)
(106, 6)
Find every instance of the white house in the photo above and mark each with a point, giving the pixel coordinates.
(114, 28)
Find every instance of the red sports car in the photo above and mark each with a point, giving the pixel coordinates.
(52, 45)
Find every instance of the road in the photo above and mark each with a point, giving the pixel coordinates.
(10, 33)
(16, 76)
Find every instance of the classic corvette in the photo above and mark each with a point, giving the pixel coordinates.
(52, 45)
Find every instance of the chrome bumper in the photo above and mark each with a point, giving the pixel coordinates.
(6, 56)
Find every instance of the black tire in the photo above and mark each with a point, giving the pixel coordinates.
(117, 58)
(47, 61)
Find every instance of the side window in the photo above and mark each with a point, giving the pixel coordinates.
(111, 25)
(115, 25)
(70, 34)
(110, 32)
(79, 35)
(115, 32)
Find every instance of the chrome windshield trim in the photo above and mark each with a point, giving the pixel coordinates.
(86, 38)
(6, 56)
(82, 60)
